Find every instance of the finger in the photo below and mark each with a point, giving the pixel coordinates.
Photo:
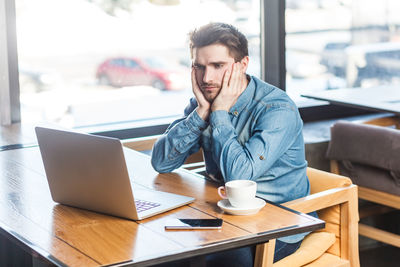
(242, 76)
(195, 86)
(227, 77)
(234, 84)
(232, 69)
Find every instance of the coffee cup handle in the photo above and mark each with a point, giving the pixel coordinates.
(221, 193)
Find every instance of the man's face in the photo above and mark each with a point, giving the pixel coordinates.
(210, 63)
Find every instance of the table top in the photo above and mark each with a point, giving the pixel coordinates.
(69, 236)
(380, 98)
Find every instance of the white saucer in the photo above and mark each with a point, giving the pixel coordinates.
(253, 209)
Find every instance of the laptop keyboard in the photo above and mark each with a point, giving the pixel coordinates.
(142, 205)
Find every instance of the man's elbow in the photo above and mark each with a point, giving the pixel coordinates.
(159, 167)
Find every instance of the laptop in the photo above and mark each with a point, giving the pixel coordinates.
(90, 172)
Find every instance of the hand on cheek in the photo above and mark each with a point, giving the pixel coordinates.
(232, 87)
(203, 109)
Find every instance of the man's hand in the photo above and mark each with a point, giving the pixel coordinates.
(232, 86)
(203, 109)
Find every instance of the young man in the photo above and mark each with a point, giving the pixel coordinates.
(248, 129)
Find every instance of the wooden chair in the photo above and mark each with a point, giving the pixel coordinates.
(334, 198)
(385, 121)
(386, 197)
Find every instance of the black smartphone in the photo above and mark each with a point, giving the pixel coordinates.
(187, 224)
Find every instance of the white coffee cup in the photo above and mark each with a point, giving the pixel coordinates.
(240, 193)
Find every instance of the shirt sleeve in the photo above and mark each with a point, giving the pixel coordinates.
(274, 131)
(180, 140)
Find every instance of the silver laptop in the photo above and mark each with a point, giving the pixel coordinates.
(90, 172)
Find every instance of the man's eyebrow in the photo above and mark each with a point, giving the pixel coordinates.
(212, 63)
(219, 62)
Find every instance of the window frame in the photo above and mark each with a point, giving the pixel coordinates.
(9, 77)
(273, 70)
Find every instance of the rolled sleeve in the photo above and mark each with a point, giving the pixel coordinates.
(195, 123)
(179, 141)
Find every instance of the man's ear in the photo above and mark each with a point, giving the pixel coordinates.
(244, 63)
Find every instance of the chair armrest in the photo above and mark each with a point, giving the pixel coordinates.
(324, 199)
(322, 180)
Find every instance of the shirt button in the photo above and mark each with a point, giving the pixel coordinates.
(235, 113)
(262, 157)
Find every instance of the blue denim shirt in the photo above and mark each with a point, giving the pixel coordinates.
(259, 139)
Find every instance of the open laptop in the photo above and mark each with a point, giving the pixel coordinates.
(90, 172)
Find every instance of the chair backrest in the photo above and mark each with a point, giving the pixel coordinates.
(368, 154)
(141, 144)
(334, 198)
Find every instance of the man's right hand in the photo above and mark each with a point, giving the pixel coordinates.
(204, 107)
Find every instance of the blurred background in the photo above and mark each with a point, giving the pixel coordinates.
(87, 63)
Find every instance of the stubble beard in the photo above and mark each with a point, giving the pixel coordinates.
(210, 96)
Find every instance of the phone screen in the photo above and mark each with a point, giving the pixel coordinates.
(194, 224)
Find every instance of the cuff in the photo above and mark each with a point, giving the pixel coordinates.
(195, 123)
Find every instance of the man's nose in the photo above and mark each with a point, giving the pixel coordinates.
(208, 75)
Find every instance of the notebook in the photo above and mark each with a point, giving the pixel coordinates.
(90, 172)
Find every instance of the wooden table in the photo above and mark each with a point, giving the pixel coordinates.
(380, 98)
(64, 235)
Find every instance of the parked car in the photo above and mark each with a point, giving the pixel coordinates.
(379, 61)
(333, 56)
(358, 63)
(130, 71)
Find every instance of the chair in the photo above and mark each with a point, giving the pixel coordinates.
(334, 198)
(369, 155)
(385, 121)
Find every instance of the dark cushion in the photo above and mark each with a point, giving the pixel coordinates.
(368, 144)
(368, 150)
(370, 177)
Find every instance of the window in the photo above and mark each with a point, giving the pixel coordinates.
(93, 63)
(63, 44)
(341, 43)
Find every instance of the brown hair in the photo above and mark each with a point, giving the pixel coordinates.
(220, 33)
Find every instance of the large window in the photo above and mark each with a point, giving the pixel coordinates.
(89, 63)
(341, 43)
(86, 63)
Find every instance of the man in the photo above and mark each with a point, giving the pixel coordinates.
(248, 129)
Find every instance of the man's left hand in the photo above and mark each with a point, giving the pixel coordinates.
(232, 86)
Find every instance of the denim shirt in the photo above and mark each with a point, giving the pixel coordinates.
(259, 139)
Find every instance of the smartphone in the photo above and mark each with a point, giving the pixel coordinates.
(188, 224)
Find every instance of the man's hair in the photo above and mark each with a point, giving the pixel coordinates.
(220, 33)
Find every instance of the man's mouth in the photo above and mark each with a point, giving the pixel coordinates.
(209, 87)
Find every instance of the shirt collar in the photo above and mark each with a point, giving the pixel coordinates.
(244, 98)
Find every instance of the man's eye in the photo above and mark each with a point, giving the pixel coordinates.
(197, 67)
(218, 66)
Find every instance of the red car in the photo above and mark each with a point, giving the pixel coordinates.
(129, 71)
